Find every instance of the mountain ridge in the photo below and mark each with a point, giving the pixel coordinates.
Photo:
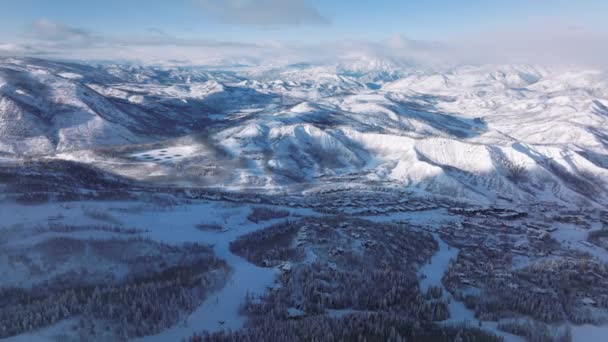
(479, 132)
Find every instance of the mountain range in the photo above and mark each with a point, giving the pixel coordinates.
(485, 134)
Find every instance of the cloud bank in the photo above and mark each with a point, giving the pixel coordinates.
(544, 44)
(265, 13)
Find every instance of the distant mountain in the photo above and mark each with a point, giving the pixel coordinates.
(484, 133)
(47, 107)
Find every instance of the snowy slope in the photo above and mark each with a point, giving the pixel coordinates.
(484, 133)
(50, 107)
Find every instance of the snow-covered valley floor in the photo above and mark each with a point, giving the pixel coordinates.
(177, 224)
(173, 225)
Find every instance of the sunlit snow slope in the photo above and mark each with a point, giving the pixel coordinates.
(489, 133)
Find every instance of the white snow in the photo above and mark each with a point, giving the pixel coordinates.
(166, 155)
(589, 333)
(174, 225)
(455, 132)
(70, 75)
(438, 265)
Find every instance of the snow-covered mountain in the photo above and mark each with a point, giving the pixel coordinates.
(482, 133)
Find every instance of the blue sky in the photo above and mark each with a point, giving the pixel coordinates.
(431, 19)
(53, 26)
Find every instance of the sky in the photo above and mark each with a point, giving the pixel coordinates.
(469, 31)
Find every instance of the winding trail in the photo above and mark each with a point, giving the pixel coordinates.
(459, 313)
(221, 309)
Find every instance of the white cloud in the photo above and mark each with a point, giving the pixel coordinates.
(156, 31)
(11, 48)
(544, 44)
(265, 13)
(47, 30)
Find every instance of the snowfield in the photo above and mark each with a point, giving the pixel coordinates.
(174, 225)
(170, 154)
(521, 132)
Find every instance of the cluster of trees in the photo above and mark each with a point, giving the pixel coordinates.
(500, 301)
(209, 227)
(68, 228)
(260, 214)
(373, 327)
(136, 308)
(584, 186)
(317, 287)
(388, 245)
(358, 266)
(434, 292)
(155, 284)
(34, 182)
(599, 237)
(552, 290)
(571, 280)
(516, 172)
(100, 215)
(91, 259)
(270, 246)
